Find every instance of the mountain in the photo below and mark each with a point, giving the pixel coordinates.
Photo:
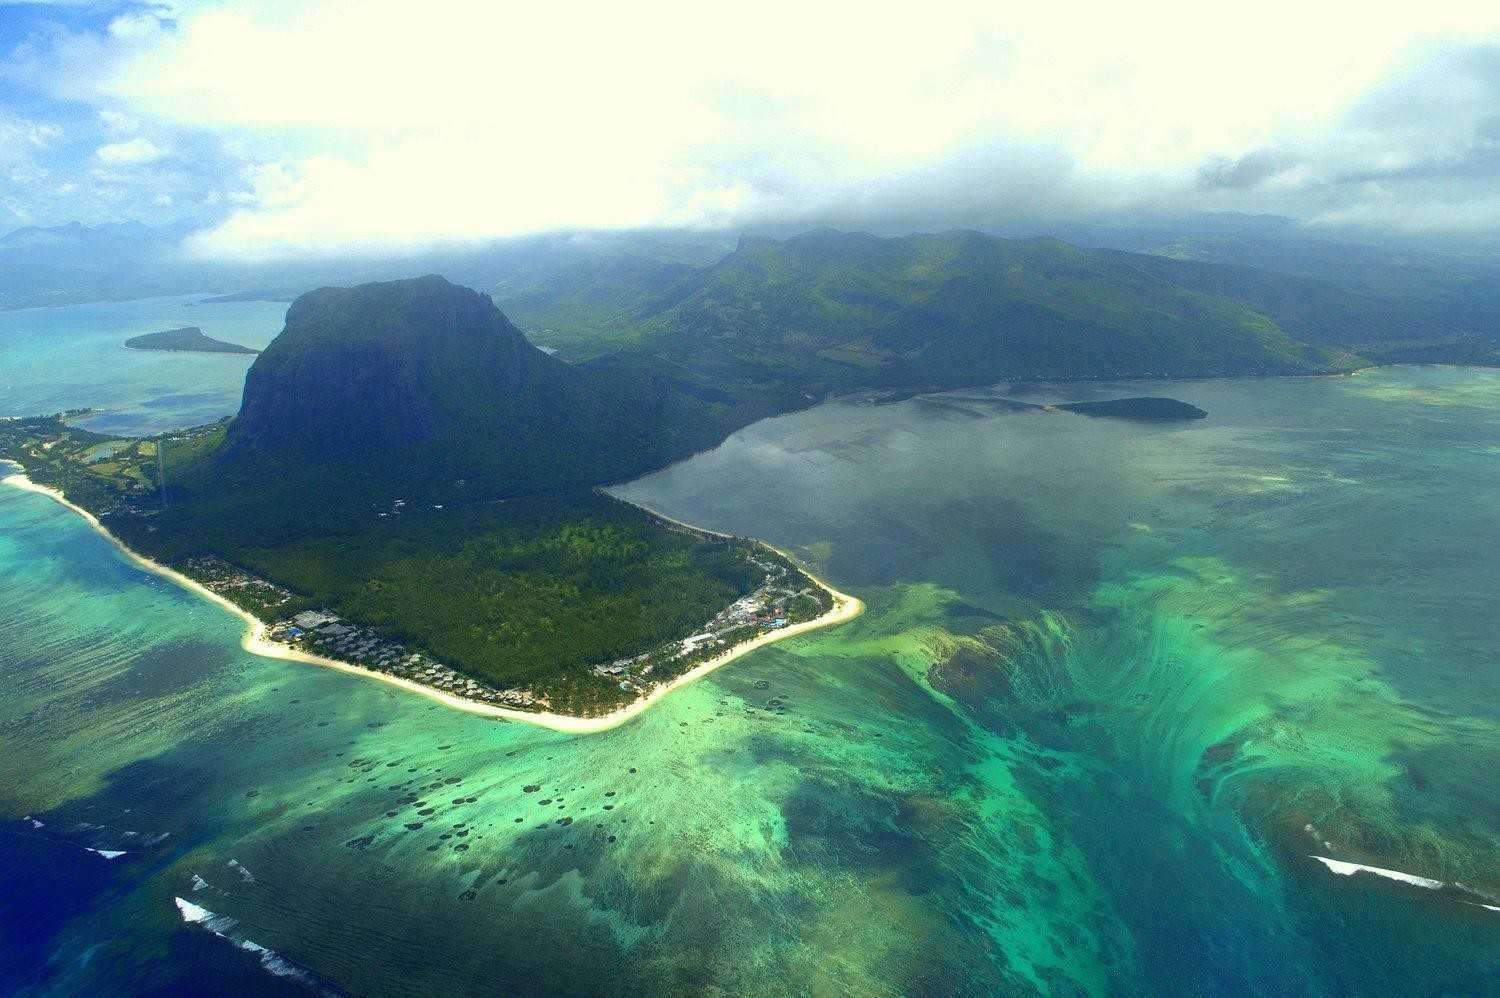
(75, 236)
(68, 263)
(1409, 298)
(77, 263)
(421, 384)
(1220, 293)
(835, 311)
(587, 305)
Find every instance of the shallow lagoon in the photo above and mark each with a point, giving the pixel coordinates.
(1117, 682)
(74, 356)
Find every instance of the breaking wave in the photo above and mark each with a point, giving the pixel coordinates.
(1466, 892)
(1350, 869)
(223, 927)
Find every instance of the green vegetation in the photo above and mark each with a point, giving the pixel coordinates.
(533, 593)
(530, 593)
(776, 322)
(103, 474)
(421, 388)
(589, 306)
(188, 338)
(1411, 303)
(406, 460)
(1146, 409)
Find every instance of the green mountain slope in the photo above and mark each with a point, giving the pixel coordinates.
(589, 304)
(777, 321)
(1406, 299)
(405, 456)
(834, 311)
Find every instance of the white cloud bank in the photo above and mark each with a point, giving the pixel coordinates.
(131, 152)
(375, 125)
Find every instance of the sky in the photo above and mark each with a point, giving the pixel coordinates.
(273, 129)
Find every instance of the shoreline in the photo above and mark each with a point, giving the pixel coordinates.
(254, 640)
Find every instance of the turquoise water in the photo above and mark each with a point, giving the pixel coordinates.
(1116, 684)
(53, 359)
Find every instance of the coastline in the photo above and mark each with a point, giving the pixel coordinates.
(254, 640)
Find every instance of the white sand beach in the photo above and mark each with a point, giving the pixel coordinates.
(845, 607)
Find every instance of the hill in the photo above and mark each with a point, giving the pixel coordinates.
(834, 311)
(420, 385)
(188, 339)
(1393, 299)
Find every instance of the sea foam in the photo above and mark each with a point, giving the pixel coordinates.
(1350, 869)
(223, 926)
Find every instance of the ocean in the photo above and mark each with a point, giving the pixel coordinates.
(1117, 688)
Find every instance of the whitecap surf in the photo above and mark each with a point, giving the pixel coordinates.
(1344, 869)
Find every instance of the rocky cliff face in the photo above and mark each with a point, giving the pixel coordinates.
(423, 380)
(380, 366)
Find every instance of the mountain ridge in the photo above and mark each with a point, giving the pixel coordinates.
(425, 383)
(836, 311)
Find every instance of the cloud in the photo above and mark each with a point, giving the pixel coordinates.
(132, 152)
(118, 123)
(20, 135)
(1241, 173)
(23, 143)
(1419, 150)
(364, 126)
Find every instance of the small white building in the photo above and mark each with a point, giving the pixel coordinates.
(689, 644)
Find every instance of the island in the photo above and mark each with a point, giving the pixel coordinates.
(255, 294)
(188, 339)
(1151, 409)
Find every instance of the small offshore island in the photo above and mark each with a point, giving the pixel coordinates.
(188, 339)
(1146, 409)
